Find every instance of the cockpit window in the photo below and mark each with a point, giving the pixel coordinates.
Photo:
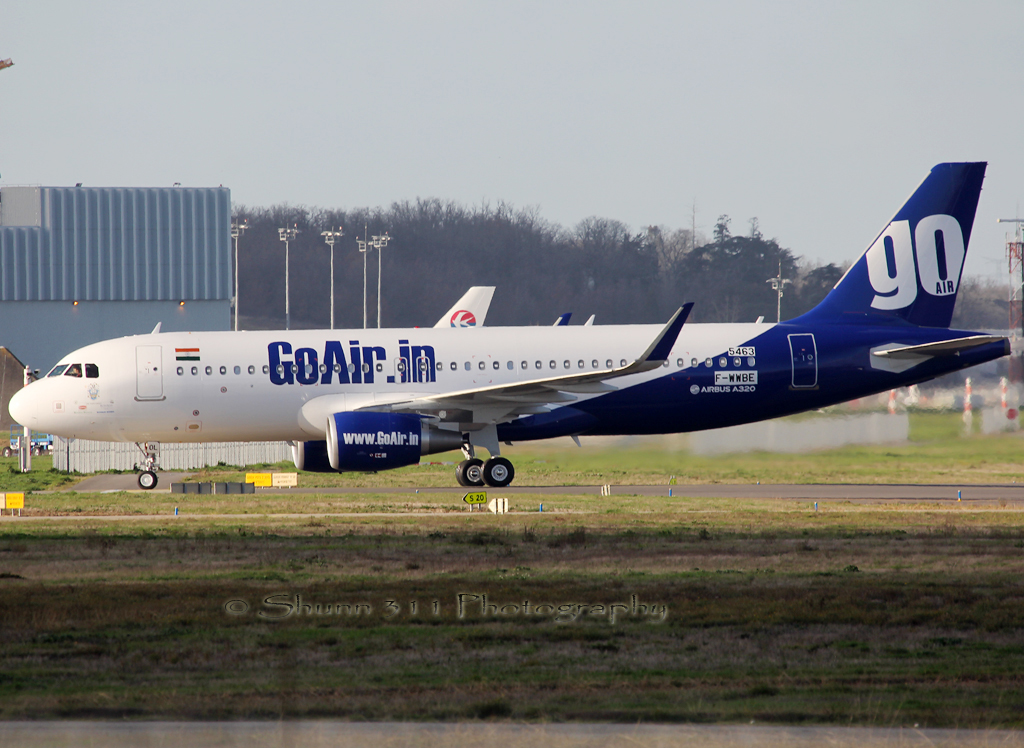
(56, 371)
(74, 370)
(92, 371)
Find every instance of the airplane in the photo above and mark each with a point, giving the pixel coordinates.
(370, 400)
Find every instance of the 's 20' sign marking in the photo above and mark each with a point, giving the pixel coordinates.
(940, 251)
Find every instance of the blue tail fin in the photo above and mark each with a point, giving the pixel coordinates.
(911, 272)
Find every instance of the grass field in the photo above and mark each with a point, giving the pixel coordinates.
(936, 453)
(619, 608)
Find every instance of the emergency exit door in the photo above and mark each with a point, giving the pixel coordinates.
(149, 372)
(805, 360)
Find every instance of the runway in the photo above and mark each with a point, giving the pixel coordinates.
(863, 492)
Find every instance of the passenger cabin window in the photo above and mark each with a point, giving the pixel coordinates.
(209, 371)
(252, 369)
(238, 370)
(455, 366)
(74, 370)
(181, 371)
(266, 368)
(57, 370)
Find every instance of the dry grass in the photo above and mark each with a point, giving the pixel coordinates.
(883, 615)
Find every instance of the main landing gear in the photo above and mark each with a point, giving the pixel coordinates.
(147, 478)
(496, 472)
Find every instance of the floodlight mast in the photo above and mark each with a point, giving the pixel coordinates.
(330, 237)
(286, 235)
(237, 228)
(1015, 260)
(363, 248)
(778, 282)
(379, 242)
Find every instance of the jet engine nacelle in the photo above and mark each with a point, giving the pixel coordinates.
(368, 442)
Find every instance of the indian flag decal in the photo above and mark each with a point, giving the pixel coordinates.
(187, 354)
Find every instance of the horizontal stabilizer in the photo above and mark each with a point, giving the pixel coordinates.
(941, 348)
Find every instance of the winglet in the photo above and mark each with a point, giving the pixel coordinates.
(157, 328)
(660, 349)
(563, 320)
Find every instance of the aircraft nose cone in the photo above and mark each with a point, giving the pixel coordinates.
(21, 407)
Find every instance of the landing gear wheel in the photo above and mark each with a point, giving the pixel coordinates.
(147, 480)
(7, 452)
(498, 472)
(470, 472)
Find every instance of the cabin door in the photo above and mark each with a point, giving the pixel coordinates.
(149, 382)
(805, 360)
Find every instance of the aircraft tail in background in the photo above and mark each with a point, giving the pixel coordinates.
(911, 272)
(470, 310)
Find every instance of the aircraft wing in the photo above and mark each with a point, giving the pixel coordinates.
(495, 402)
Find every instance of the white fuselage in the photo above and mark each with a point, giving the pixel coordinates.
(217, 386)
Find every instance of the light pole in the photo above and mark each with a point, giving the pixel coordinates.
(379, 242)
(330, 237)
(237, 228)
(361, 243)
(777, 283)
(286, 235)
(1014, 255)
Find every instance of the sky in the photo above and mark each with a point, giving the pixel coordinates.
(818, 118)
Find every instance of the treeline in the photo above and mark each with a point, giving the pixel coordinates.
(438, 249)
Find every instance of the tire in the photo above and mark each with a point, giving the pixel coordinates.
(498, 472)
(470, 473)
(7, 452)
(36, 451)
(147, 480)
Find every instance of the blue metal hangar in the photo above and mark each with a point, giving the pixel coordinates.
(83, 264)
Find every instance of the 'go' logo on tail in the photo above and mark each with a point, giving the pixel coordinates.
(940, 254)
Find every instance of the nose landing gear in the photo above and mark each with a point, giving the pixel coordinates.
(147, 478)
